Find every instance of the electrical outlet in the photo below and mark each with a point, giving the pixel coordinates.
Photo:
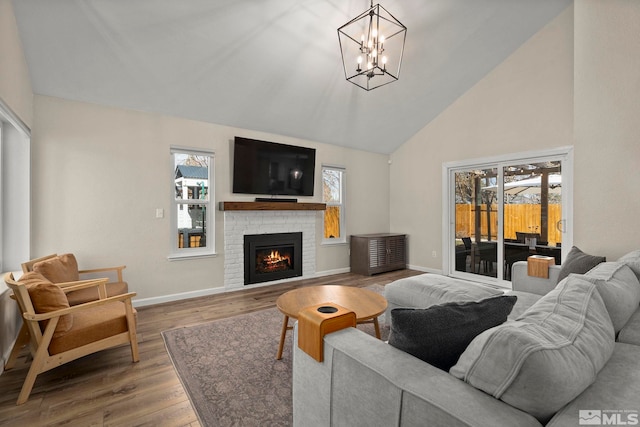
(434, 254)
(159, 213)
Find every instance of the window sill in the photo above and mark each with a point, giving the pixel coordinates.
(333, 242)
(180, 257)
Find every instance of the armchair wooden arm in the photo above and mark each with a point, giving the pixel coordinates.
(101, 284)
(75, 308)
(118, 269)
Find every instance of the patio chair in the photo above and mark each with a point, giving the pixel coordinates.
(59, 333)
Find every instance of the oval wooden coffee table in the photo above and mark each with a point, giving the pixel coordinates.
(367, 305)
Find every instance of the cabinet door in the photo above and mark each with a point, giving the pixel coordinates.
(377, 253)
(396, 251)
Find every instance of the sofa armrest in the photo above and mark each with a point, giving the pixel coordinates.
(521, 281)
(364, 381)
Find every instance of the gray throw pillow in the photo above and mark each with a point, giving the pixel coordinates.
(439, 334)
(578, 262)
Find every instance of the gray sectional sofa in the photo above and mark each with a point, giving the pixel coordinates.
(569, 354)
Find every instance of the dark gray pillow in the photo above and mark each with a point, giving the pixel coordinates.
(578, 262)
(439, 334)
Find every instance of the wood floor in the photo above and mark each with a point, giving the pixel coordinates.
(107, 389)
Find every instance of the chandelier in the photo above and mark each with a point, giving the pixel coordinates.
(371, 45)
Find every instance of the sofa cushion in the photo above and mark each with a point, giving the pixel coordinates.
(578, 262)
(429, 289)
(548, 356)
(59, 269)
(619, 288)
(615, 392)
(46, 297)
(630, 334)
(439, 334)
(632, 259)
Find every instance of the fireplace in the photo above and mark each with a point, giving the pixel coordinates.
(270, 257)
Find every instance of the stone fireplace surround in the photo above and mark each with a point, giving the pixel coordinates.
(239, 223)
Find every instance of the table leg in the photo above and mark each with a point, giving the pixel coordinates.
(377, 327)
(285, 325)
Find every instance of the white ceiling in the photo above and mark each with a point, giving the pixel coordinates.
(269, 65)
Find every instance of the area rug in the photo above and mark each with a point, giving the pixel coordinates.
(229, 370)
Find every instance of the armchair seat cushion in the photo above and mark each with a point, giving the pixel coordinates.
(92, 325)
(59, 269)
(91, 294)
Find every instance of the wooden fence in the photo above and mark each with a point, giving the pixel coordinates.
(517, 217)
(332, 222)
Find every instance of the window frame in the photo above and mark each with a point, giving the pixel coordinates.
(176, 253)
(15, 189)
(563, 154)
(342, 204)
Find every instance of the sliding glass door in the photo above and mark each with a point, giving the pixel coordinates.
(503, 211)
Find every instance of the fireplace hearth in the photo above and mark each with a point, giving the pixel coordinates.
(273, 256)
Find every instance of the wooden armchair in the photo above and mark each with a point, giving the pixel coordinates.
(59, 333)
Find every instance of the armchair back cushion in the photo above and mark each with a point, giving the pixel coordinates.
(548, 356)
(46, 297)
(59, 269)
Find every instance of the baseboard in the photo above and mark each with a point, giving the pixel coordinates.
(176, 297)
(424, 269)
(221, 290)
(332, 272)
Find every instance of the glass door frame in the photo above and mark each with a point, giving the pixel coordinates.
(449, 169)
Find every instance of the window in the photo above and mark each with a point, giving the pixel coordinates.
(192, 192)
(333, 184)
(15, 189)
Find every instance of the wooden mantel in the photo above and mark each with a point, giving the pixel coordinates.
(271, 206)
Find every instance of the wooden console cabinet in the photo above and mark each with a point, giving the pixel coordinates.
(377, 253)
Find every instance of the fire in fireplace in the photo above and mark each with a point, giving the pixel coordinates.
(273, 256)
(268, 261)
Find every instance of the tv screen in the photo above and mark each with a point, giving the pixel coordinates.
(261, 167)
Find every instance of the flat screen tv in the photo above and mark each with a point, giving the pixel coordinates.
(261, 167)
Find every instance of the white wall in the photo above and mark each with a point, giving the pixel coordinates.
(607, 126)
(524, 104)
(15, 85)
(99, 173)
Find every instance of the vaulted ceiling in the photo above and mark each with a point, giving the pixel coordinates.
(269, 65)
